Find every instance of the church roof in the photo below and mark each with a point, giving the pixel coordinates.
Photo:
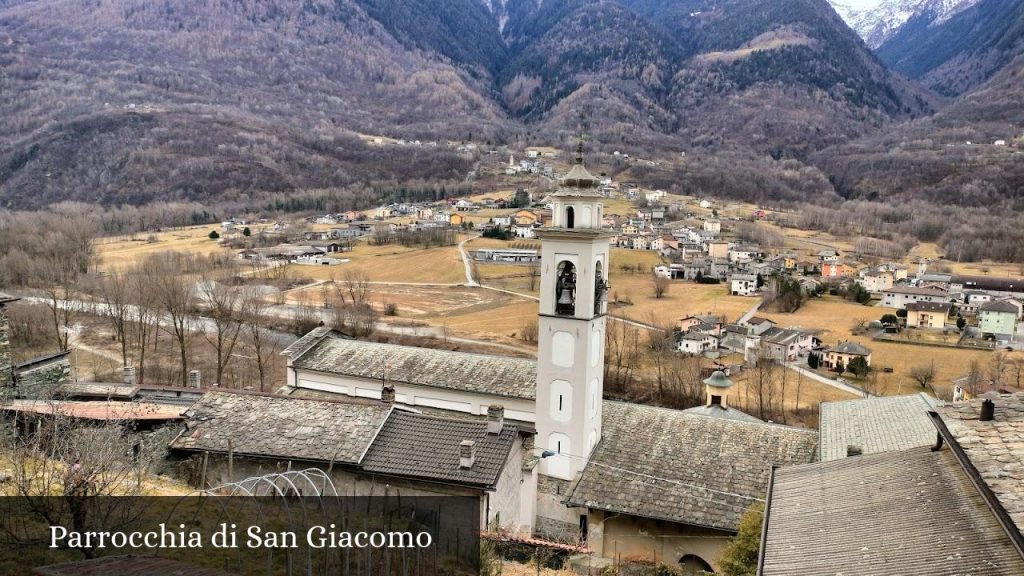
(480, 373)
(881, 424)
(427, 448)
(578, 182)
(691, 469)
(718, 411)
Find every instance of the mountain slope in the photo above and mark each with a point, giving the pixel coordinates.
(955, 55)
(131, 100)
(878, 24)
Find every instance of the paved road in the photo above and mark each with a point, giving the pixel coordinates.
(829, 382)
(750, 313)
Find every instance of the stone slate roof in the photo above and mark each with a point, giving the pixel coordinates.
(496, 375)
(996, 448)
(909, 513)
(882, 424)
(667, 464)
(427, 448)
(306, 342)
(852, 348)
(281, 427)
(717, 411)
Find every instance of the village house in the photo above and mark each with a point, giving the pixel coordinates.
(712, 226)
(718, 249)
(876, 282)
(525, 218)
(695, 342)
(710, 323)
(843, 353)
(364, 447)
(640, 242)
(457, 219)
(874, 425)
(999, 318)
(743, 253)
(743, 285)
(784, 345)
(899, 296)
(928, 314)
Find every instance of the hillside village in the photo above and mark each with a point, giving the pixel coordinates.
(542, 445)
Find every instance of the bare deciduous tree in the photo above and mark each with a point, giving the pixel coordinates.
(223, 308)
(660, 285)
(923, 374)
(172, 292)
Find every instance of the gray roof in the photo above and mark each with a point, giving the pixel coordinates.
(852, 348)
(97, 390)
(995, 448)
(999, 306)
(306, 342)
(910, 513)
(427, 447)
(667, 464)
(882, 424)
(717, 411)
(496, 375)
(281, 427)
(782, 336)
(929, 307)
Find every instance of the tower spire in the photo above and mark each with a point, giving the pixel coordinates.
(579, 150)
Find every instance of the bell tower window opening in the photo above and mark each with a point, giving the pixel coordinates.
(570, 217)
(565, 289)
(600, 288)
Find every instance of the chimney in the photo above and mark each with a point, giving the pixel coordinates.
(387, 394)
(195, 380)
(467, 454)
(853, 450)
(528, 443)
(129, 375)
(495, 418)
(988, 410)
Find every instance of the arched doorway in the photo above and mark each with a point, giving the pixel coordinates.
(570, 217)
(694, 565)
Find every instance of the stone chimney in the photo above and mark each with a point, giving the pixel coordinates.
(129, 375)
(529, 443)
(853, 450)
(387, 394)
(495, 418)
(195, 379)
(988, 410)
(467, 454)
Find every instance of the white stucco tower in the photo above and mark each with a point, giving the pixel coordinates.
(571, 327)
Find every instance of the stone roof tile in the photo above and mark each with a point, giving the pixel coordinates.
(667, 464)
(882, 424)
(281, 427)
(484, 374)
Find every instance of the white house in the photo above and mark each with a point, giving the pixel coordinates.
(695, 342)
(743, 285)
(899, 296)
(713, 226)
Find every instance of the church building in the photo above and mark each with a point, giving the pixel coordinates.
(627, 480)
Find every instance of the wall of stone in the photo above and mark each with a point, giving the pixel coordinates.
(554, 519)
(41, 381)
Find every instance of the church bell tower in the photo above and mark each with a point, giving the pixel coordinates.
(571, 327)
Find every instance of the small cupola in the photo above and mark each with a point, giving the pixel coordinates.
(717, 388)
(578, 203)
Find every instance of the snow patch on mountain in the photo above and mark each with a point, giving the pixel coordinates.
(878, 24)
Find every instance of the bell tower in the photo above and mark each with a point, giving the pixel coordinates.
(571, 327)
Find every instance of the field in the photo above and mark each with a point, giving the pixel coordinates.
(121, 251)
(682, 299)
(392, 263)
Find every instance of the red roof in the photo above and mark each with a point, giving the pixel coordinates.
(107, 411)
